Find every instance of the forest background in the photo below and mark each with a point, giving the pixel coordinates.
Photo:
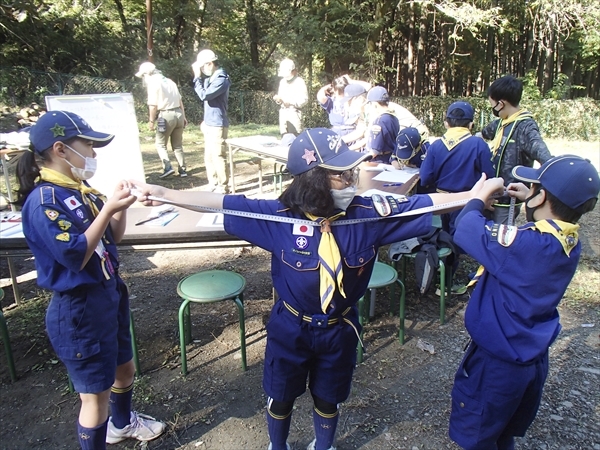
(416, 49)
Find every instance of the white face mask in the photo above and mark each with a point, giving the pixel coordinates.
(343, 197)
(91, 164)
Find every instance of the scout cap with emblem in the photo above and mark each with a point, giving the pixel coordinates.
(60, 126)
(321, 147)
(460, 110)
(407, 142)
(571, 179)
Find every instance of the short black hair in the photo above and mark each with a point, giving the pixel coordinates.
(564, 212)
(507, 88)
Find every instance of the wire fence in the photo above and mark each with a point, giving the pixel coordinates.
(19, 87)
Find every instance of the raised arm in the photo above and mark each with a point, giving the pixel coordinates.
(185, 199)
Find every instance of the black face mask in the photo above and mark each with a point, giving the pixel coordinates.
(496, 112)
(529, 211)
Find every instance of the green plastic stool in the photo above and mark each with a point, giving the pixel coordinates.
(208, 287)
(383, 275)
(445, 282)
(6, 341)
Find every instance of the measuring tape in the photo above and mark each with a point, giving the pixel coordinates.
(511, 211)
(253, 215)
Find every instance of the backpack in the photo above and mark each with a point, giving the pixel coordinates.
(426, 258)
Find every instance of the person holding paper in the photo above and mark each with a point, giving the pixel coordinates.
(72, 230)
(321, 267)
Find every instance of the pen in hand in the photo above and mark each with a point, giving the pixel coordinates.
(392, 184)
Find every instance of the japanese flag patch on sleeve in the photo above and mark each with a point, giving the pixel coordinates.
(503, 234)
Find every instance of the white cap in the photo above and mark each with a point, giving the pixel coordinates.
(286, 67)
(145, 69)
(205, 56)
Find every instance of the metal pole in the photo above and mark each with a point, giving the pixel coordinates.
(149, 27)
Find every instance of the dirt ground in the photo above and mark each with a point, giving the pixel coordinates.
(400, 397)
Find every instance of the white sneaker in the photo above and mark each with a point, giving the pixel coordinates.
(286, 446)
(311, 446)
(141, 427)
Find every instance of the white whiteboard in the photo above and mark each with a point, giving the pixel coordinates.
(113, 114)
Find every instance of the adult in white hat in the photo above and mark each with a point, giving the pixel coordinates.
(292, 95)
(212, 84)
(166, 115)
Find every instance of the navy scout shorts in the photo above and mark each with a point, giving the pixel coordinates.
(297, 350)
(89, 331)
(494, 399)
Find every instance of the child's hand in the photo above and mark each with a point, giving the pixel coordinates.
(141, 191)
(484, 189)
(121, 199)
(517, 190)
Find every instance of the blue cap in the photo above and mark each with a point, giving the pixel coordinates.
(378, 94)
(60, 126)
(407, 142)
(465, 107)
(354, 90)
(321, 147)
(571, 179)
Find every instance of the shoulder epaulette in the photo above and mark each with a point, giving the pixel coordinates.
(47, 195)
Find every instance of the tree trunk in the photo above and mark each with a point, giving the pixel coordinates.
(253, 32)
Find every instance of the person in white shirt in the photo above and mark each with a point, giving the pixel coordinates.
(292, 95)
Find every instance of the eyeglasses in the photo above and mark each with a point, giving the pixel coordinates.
(348, 177)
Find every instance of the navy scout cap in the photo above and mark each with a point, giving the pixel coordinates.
(407, 142)
(571, 179)
(60, 126)
(321, 147)
(378, 94)
(464, 107)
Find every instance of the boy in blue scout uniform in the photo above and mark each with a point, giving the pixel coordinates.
(410, 149)
(384, 128)
(455, 162)
(72, 230)
(319, 270)
(498, 385)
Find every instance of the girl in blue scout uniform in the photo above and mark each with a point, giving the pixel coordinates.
(72, 231)
(383, 129)
(319, 270)
(512, 315)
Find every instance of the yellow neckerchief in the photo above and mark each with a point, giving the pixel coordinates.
(59, 179)
(565, 232)
(497, 141)
(454, 136)
(330, 269)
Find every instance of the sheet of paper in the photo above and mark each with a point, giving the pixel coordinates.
(211, 220)
(396, 176)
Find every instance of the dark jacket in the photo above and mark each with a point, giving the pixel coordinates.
(214, 92)
(524, 146)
